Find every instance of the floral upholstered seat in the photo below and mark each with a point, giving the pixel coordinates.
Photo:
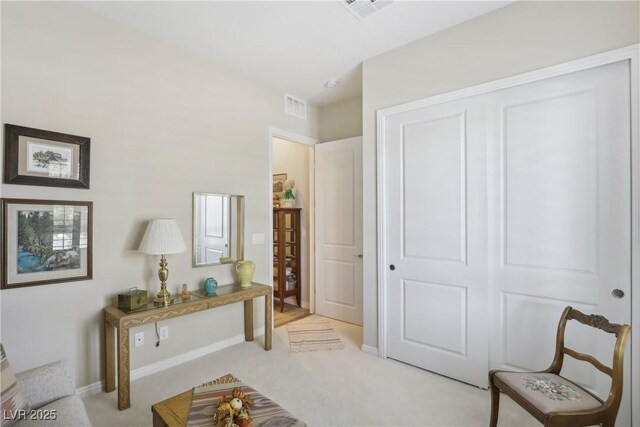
(549, 392)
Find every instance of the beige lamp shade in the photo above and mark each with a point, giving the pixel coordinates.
(162, 237)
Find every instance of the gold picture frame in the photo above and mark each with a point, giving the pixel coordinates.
(278, 185)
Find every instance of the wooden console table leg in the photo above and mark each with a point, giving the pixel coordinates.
(268, 314)
(123, 369)
(248, 320)
(109, 357)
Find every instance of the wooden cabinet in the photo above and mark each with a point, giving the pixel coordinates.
(286, 254)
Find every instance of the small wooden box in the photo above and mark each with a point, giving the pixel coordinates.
(133, 300)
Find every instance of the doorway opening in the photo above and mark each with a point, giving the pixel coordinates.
(292, 216)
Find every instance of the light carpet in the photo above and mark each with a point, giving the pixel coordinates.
(312, 333)
(323, 388)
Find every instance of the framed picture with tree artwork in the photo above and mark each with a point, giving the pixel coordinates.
(45, 241)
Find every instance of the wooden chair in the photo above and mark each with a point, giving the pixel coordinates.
(556, 401)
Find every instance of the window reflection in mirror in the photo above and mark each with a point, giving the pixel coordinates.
(217, 228)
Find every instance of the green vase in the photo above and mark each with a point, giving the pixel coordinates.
(245, 271)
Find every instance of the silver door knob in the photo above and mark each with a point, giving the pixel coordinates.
(617, 293)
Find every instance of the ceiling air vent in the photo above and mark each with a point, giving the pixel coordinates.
(363, 8)
(295, 107)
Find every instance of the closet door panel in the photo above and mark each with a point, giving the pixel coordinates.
(435, 191)
(559, 215)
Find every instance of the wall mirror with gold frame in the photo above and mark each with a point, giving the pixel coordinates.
(218, 228)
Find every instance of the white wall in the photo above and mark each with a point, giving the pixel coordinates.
(341, 120)
(162, 124)
(296, 160)
(521, 37)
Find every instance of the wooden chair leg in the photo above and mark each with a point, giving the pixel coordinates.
(495, 405)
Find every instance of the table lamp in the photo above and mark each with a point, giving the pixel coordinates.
(162, 237)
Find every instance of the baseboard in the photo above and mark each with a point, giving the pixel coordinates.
(160, 366)
(370, 350)
(88, 390)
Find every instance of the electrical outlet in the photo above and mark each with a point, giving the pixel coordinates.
(257, 239)
(138, 339)
(164, 333)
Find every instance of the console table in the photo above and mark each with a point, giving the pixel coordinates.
(116, 319)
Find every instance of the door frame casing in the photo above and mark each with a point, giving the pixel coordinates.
(305, 140)
(630, 53)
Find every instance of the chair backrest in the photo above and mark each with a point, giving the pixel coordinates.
(596, 321)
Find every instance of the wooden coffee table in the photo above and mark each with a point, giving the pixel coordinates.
(173, 411)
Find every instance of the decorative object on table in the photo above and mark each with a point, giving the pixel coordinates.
(185, 295)
(45, 241)
(289, 193)
(312, 333)
(264, 412)
(276, 201)
(234, 412)
(133, 300)
(162, 237)
(245, 271)
(278, 186)
(40, 157)
(210, 286)
(225, 260)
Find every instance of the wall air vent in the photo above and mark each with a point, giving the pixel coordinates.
(363, 8)
(295, 107)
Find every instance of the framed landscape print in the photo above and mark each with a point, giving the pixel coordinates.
(278, 185)
(40, 157)
(45, 241)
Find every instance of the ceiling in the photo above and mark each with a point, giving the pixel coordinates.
(295, 46)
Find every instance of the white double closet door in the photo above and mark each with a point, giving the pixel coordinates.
(500, 210)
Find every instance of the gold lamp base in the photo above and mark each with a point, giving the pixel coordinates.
(164, 298)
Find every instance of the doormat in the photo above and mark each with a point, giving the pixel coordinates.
(312, 333)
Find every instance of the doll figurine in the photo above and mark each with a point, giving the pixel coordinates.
(186, 295)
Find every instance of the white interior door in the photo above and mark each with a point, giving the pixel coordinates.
(338, 179)
(435, 239)
(559, 218)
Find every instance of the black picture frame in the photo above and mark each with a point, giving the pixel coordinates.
(15, 157)
(67, 252)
